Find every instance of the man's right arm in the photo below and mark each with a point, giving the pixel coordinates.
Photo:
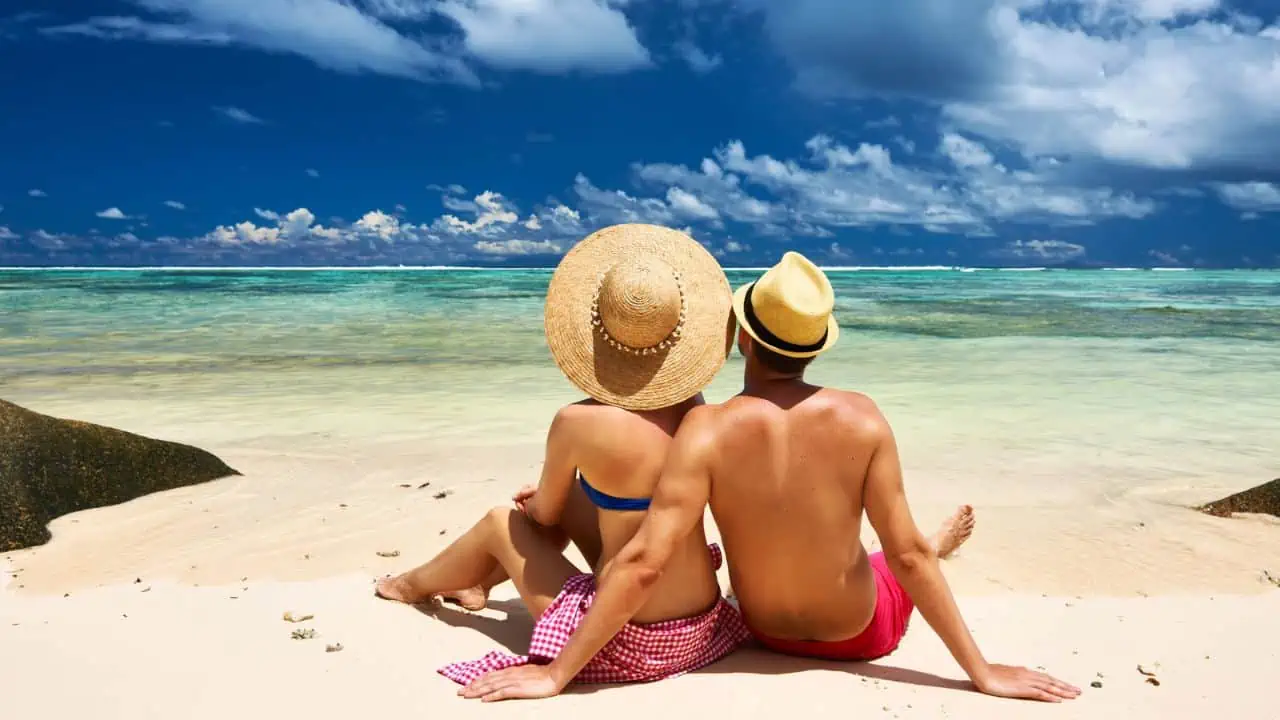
(914, 563)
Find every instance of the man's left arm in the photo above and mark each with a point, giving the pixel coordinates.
(627, 582)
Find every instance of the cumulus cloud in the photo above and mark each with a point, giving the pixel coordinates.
(7, 234)
(112, 213)
(1163, 85)
(399, 38)
(334, 34)
(312, 172)
(293, 228)
(37, 193)
(841, 186)
(548, 36)
(175, 205)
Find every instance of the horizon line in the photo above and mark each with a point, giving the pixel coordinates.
(494, 268)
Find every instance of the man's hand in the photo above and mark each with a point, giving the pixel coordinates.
(522, 496)
(527, 682)
(1019, 682)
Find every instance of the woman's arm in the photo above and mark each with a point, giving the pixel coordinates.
(558, 469)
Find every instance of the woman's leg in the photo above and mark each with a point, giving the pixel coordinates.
(579, 522)
(504, 538)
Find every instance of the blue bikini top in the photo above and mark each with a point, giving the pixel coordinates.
(611, 502)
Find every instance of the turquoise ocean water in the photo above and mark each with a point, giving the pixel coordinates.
(1103, 371)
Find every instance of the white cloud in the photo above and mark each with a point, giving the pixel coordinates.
(334, 34)
(1250, 197)
(548, 36)
(46, 240)
(112, 213)
(1040, 251)
(38, 193)
(312, 172)
(1201, 93)
(508, 248)
(686, 204)
(7, 234)
(399, 38)
(175, 205)
(1164, 258)
(696, 58)
(294, 228)
(844, 187)
(1163, 85)
(491, 213)
(239, 115)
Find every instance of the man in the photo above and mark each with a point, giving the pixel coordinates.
(788, 469)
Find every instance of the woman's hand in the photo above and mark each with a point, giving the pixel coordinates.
(521, 498)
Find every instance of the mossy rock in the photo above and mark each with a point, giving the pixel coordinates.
(1264, 499)
(50, 467)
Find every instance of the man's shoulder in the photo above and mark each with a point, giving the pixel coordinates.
(856, 411)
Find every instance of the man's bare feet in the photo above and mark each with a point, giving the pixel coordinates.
(954, 531)
(472, 599)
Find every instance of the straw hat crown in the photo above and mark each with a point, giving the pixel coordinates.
(640, 304)
(789, 309)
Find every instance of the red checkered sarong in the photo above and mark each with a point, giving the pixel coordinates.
(638, 653)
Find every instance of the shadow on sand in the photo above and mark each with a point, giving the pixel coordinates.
(513, 633)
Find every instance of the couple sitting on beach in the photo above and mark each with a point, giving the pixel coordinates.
(640, 318)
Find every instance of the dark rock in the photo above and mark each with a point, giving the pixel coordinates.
(1264, 499)
(50, 467)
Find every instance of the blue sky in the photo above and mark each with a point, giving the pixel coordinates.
(917, 132)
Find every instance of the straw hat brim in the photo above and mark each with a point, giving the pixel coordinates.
(615, 377)
(739, 304)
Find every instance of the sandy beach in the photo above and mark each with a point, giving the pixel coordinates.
(172, 605)
(1082, 465)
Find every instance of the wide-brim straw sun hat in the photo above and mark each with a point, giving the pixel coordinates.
(639, 316)
(790, 308)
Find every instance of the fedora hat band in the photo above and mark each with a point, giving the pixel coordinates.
(767, 336)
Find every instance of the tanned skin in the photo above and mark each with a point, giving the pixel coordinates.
(788, 468)
(620, 452)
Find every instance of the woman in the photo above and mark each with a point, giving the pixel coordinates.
(638, 317)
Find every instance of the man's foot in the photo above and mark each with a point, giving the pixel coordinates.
(954, 531)
(398, 589)
(472, 599)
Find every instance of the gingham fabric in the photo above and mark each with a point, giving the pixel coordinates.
(638, 653)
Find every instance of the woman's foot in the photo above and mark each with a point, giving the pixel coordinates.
(473, 599)
(954, 532)
(398, 589)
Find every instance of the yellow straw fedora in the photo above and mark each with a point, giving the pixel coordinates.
(639, 316)
(789, 308)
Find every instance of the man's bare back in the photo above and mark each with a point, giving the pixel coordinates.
(787, 494)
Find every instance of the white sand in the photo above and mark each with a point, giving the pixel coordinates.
(170, 606)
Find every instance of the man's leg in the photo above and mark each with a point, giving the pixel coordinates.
(504, 538)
